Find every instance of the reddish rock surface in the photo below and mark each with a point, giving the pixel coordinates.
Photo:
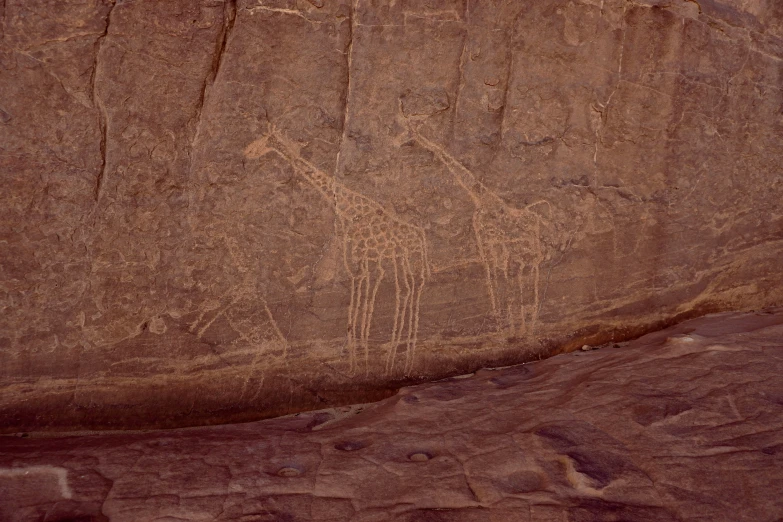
(683, 424)
(215, 211)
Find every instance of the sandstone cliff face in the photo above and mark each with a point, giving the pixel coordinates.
(227, 210)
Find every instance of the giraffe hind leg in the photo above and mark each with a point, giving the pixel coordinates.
(498, 285)
(351, 322)
(414, 325)
(521, 297)
(508, 293)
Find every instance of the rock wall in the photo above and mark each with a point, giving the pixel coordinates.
(218, 211)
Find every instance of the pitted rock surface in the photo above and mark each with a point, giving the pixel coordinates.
(220, 211)
(683, 424)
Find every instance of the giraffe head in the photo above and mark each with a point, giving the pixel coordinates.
(408, 133)
(258, 148)
(272, 141)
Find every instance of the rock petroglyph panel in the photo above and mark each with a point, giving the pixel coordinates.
(447, 185)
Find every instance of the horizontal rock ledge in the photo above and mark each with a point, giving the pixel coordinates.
(665, 427)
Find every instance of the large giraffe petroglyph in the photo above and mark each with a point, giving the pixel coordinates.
(374, 244)
(509, 242)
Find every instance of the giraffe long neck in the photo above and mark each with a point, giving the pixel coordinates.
(463, 176)
(320, 180)
(324, 183)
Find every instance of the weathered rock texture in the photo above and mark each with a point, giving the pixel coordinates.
(228, 210)
(681, 425)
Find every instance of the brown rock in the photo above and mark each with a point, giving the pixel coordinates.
(216, 211)
(679, 425)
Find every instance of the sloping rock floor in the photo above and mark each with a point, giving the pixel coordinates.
(682, 424)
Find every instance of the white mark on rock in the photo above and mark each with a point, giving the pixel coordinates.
(61, 474)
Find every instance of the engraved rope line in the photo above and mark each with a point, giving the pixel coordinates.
(374, 244)
(245, 328)
(504, 235)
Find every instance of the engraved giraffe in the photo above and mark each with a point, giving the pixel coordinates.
(374, 243)
(509, 242)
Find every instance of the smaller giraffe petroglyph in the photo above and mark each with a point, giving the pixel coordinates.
(509, 242)
(375, 244)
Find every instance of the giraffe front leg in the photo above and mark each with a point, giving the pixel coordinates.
(369, 310)
(521, 297)
(499, 282)
(536, 305)
(365, 300)
(488, 271)
(413, 325)
(510, 290)
(362, 308)
(412, 312)
(352, 321)
(405, 306)
(528, 283)
(358, 283)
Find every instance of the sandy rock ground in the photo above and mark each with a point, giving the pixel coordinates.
(682, 424)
